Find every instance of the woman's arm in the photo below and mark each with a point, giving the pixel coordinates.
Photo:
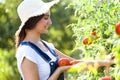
(94, 63)
(59, 70)
(29, 70)
(99, 62)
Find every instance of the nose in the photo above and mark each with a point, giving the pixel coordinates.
(50, 21)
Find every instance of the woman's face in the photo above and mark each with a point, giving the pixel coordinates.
(43, 25)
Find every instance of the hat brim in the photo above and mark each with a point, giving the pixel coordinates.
(43, 10)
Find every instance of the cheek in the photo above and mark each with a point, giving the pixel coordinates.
(40, 26)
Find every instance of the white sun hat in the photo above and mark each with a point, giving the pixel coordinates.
(31, 8)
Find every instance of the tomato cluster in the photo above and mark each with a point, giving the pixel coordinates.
(88, 41)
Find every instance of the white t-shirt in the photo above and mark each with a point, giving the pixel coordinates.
(30, 54)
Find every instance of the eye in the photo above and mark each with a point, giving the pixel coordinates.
(46, 18)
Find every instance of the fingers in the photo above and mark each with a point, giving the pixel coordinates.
(64, 68)
(110, 57)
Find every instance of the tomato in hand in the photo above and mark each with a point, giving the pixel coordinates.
(64, 62)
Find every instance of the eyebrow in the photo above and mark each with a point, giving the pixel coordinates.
(47, 15)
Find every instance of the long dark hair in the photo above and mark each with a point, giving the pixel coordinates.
(29, 24)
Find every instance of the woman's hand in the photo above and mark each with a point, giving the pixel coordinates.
(109, 60)
(58, 71)
(63, 68)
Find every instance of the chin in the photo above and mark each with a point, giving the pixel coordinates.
(45, 32)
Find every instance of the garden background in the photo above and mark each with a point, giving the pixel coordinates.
(73, 20)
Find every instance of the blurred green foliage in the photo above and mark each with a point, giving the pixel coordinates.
(59, 34)
(8, 69)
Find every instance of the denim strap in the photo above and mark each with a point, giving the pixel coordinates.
(38, 50)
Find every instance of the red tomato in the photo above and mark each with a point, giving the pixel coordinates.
(106, 78)
(63, 62)
(94, 33)
(74, 62)
(117, 29)
(85, 41)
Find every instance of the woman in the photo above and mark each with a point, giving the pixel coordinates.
(36, 58)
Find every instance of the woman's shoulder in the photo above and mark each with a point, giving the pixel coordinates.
(26, 51)
(23, 48)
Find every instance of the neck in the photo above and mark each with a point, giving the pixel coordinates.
(32, 36)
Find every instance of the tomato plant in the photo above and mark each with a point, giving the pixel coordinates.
(99, 17)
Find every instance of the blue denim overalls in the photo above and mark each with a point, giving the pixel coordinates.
(53, 64)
